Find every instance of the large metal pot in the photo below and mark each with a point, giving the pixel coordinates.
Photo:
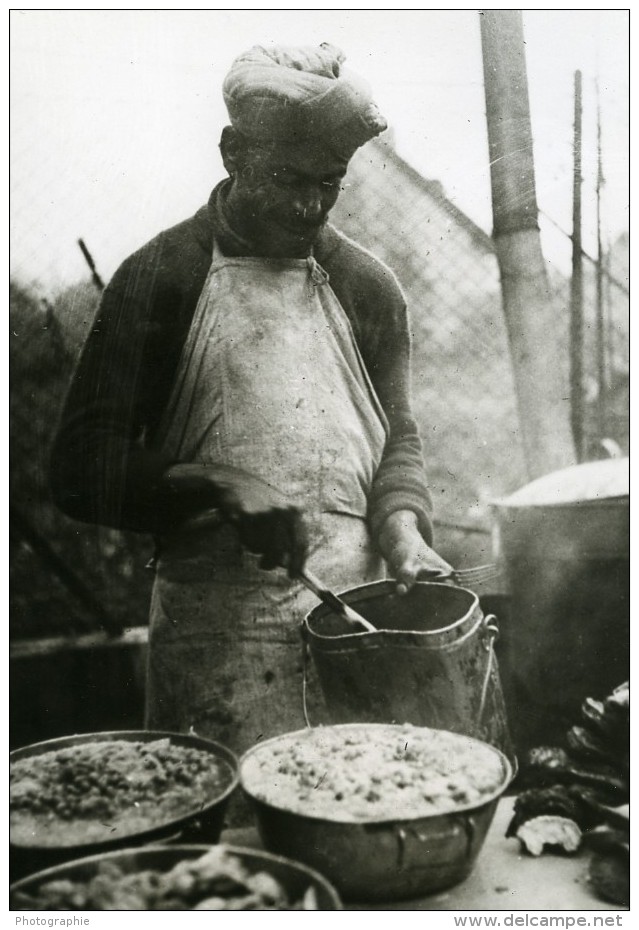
(380, 860)
(294, 877)
(201, 825)
(564, 540)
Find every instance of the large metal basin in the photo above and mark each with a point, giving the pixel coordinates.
(294, 877)
(200, 825)
(381, 860)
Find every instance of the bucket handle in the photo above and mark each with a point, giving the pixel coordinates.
(305, 655)
(490, 632)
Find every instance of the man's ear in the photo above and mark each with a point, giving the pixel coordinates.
(231, 149)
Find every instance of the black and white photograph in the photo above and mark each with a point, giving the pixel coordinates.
(319, 484)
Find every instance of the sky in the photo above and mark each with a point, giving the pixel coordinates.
(116, 116)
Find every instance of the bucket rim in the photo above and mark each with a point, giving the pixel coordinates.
(386, 585)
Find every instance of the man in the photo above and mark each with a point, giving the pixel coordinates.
(244, 396)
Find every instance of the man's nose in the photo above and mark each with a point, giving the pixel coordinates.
(308, 204)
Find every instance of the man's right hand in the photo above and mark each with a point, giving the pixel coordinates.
(267, 522)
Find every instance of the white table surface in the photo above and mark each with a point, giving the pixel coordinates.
(504, 877)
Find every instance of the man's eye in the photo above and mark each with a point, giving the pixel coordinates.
(281, 177)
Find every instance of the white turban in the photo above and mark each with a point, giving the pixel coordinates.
(300, 95)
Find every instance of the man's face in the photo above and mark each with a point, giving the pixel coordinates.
(281, 196)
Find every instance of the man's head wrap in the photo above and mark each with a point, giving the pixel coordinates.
(300, 95)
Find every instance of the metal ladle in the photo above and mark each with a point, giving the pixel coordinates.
(336, 604)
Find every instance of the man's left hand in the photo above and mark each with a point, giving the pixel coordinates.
(407, 553)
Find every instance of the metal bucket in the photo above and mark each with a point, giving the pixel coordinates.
(431, 662)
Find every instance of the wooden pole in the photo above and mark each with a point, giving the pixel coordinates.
(601, 359)
(540, 367)
(576, 285)
(95, 277)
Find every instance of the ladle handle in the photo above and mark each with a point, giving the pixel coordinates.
(331, 600)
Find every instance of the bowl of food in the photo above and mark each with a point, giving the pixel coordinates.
(384, 811)
(170, 878)
(89, 793)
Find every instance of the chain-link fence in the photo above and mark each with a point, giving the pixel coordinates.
(463, 383)
(463, 392)
(65, 576)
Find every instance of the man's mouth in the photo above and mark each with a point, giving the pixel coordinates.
(301, 231)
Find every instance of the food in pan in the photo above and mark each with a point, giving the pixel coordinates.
(100, 790)
(358, 773)
(216, 881)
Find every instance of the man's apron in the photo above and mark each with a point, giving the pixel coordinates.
(270, 381)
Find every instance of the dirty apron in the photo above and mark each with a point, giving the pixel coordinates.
(270, 381)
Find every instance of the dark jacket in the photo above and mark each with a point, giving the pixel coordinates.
(104, 467)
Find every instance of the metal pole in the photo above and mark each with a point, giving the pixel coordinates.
(576, 285)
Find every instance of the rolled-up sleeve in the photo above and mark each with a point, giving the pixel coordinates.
(400, 482)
